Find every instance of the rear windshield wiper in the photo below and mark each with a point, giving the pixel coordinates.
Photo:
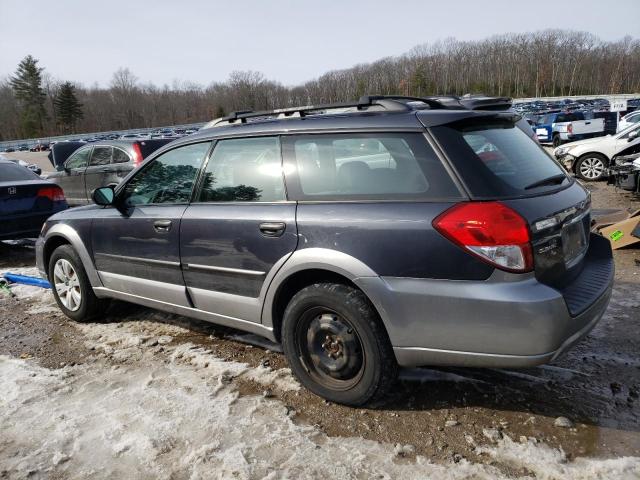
(559, 178)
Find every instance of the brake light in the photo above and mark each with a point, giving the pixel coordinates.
(55, 194)
(491, 231)
(137, 154)
(570, 128)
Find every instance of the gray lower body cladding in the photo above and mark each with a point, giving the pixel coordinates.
(506, 321)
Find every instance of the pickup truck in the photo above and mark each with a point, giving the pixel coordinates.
(558, 128)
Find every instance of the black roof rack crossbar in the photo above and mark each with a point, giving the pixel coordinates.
(363, 103)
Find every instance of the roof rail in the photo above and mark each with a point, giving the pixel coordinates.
(389, 103)
(364, 103)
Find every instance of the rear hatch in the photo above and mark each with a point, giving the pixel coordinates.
(497, 161)
(147, 147)
(61, 151)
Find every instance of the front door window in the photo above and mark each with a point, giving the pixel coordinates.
(168, 179)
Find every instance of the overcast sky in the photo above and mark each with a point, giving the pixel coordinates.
(288, 40)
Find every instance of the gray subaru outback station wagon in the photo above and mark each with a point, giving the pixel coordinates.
(392, 231)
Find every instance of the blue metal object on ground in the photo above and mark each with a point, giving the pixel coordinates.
(26, 280)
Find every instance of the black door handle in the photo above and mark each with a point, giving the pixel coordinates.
(162, 226)
(272, 229)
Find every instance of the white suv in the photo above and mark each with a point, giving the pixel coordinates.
(589, 159)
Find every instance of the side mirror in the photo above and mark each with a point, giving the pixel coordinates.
(632, 136)
(103, 196)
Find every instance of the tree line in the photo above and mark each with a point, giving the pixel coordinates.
(545, 63)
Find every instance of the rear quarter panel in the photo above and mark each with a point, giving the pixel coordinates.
(394, 239)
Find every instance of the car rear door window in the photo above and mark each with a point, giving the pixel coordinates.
(120, 156)
(366, 166)
(169, 178)
(100, 156)
(244, 170)
(496, 159)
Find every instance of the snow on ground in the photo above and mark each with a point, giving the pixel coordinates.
(147, 406)
(41, 300)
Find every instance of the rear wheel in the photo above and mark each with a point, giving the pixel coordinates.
(591, 167)
(336, 345)
(71, 287)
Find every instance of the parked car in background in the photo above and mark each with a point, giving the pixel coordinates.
(39, 147)
(391, 232)
(26, 201)
(589, 159)
(23, 148)
(628, 120)
(31, 166)
(561, 127)
(132, 136)
(81, 167)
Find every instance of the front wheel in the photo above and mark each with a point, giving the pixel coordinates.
(336, 344)
(557, 141)
(591, 167)
(71, 287)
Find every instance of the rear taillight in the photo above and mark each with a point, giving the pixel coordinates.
(570, 128)
(490, 230)
(55, 194)
(137, 154)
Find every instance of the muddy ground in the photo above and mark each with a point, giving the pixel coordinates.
(443, 414)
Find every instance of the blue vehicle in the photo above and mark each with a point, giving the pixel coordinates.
(561, 127)
(26, 201)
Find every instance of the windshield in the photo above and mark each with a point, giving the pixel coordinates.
(624, 133)
(496, 159)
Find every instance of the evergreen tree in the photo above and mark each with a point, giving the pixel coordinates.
(68, 108)
(219, 112)
(27, 87)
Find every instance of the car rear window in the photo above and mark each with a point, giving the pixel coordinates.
(382, 166)
(10, 172)
(495, 158)
(569, 117)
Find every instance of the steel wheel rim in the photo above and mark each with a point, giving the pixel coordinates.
(591, 168)
(330, 349)
(67, 284)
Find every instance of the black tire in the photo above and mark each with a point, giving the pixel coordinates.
(591, 167)
(355, 363)
(89, 306)
(557, 141)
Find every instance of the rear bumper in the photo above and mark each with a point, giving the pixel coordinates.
(506, 321)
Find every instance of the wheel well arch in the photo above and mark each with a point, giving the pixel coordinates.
(296, 282)
(49, 247)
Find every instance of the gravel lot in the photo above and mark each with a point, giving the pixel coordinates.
(144, 394)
